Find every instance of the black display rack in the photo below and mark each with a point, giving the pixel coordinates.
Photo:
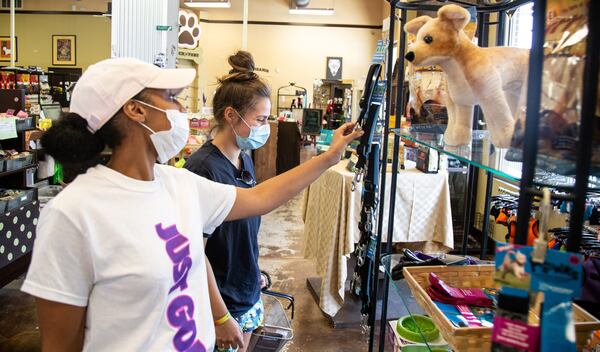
(527, 182)
(283, 93)
(17, 224)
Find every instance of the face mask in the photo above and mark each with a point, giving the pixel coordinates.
(168, 143)
(257, 138)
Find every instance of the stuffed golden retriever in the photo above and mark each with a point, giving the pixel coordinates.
(494, 78)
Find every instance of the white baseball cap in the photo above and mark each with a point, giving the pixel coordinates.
(107, 85)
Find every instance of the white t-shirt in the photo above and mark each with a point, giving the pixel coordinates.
(132, 252)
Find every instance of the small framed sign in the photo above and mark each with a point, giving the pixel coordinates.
(64, 50)
(334, 68)
(5, 49)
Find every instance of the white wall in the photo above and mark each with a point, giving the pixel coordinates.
(291, 53)
(346, 11)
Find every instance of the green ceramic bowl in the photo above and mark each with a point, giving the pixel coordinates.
(408, 328)
(423, 348)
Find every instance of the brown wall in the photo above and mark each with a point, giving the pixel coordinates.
(34, 37)
(66, 5)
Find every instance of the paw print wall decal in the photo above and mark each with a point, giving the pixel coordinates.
(189, 29)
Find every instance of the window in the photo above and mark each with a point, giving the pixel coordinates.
(520, 35)
(6, 4)
(521, 27)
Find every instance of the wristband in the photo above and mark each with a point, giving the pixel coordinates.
(223, 319)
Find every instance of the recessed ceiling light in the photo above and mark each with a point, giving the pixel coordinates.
(313, 11)
(208, 4)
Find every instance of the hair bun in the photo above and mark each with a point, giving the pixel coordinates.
(242, 70)
(241, 62)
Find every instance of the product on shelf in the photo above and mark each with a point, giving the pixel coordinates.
(201, 125)
(428, 94)
(493, 78)
(7, 80)
(11, 199)
(443, 293)
(417, 328)
(47, 193)
(404, 344)
(12, 160)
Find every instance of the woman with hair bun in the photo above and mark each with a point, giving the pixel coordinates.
(118, 262)
(241, 107)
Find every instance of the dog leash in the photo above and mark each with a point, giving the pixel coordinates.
(368, 165)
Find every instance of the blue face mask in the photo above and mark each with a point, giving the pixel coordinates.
(257, 138)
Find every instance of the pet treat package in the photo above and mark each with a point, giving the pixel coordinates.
(428, 93)
(554, 279)
(562, 82)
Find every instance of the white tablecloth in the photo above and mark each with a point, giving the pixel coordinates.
(331, 212)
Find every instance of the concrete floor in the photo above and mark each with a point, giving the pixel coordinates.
(18, 321)
(281, 241)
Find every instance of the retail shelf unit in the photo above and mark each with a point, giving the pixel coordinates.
(340, 95)
(33, 88)
(481, 155)
(17, 226)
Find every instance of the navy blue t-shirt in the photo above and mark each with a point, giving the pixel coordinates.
(233, 248)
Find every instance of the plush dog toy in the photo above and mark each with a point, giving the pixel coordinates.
(494, 78)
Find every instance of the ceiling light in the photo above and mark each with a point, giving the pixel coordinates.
(208, 4)
(313, 11)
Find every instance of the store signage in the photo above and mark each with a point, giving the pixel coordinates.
(380, 50)
(194, 55)
(334, 68)
(189, 29)
(164, 28)
(8, 127)
(189, 54)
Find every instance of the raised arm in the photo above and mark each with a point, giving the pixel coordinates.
(274, 192)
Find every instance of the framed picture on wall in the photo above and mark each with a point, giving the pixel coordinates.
(5, 50)
(64, 50)
(334, 68)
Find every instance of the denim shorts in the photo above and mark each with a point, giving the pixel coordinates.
(248, 322)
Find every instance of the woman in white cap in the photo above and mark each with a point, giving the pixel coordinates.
(118, 263)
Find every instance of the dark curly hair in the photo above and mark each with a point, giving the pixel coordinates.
(71, 143)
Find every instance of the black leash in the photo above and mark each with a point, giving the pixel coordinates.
(368, 164)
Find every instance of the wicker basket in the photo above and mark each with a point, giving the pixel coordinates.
(474, 339)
